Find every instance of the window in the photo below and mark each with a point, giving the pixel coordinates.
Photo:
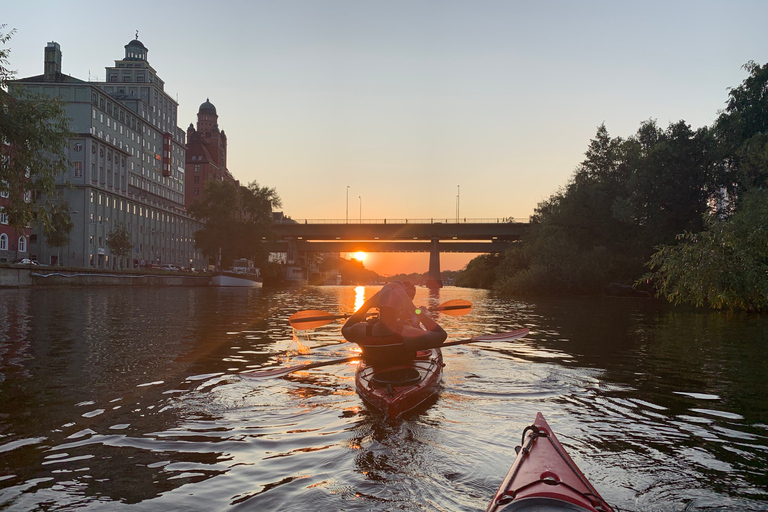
(78, 169)
(22, 243)
(3, 242)
(3, 218)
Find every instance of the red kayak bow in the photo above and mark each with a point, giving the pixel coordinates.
(544, 478)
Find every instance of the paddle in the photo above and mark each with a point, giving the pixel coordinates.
(276, 372)
(312, 318)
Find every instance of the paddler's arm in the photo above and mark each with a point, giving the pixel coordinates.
(349, 331)
(418, 338)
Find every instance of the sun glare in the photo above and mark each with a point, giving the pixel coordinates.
(359, 256)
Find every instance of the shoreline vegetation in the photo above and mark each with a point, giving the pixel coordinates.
(672, 212)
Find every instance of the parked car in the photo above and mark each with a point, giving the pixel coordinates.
(168, 266)
(27, 261)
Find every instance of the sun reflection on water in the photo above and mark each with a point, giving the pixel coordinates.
(359, 297)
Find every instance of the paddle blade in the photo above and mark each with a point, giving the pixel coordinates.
(312, 318)
(455, 307)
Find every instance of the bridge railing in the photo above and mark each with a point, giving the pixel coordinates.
(435, 220)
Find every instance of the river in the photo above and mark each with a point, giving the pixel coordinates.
(130, 399)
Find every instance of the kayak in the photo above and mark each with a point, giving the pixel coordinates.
(395, 390)
(544, 478)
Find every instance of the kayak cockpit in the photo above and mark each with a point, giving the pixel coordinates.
(400, 388)
(540, 505)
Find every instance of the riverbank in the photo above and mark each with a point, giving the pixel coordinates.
(23, 277)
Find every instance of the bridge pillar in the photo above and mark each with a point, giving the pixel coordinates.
(433, 276)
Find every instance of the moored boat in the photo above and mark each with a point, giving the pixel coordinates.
(236, 279)
(398, 389)
(544, 478)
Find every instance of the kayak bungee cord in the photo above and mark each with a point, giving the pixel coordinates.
(531, 434)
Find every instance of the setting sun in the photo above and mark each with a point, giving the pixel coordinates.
(359, 256)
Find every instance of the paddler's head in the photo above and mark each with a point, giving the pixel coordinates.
(410, 289)
(392, 300)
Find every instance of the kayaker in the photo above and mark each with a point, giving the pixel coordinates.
(390, 339)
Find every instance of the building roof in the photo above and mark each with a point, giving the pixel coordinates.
(136, 42)
(207, 108)
(60, 78)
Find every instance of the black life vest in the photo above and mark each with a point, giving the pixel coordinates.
(384, 350)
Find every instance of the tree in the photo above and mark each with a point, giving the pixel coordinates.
(119, 241)
(479, 273)
(58, 227)
(724, 266)
(669, 182)
(236, 220)
(33, 136)
(742, 133)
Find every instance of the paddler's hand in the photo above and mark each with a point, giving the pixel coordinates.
(420, 310)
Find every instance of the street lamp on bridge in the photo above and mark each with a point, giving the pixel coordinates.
(458, 195)
(347, 218)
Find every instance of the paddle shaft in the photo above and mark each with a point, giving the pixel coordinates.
(313, 318)
(276, 372)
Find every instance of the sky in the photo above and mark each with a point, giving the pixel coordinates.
(413, 109)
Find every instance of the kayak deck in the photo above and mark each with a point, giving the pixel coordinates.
(395, 390)
(544, 478)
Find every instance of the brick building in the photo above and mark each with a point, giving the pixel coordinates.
(206, 153)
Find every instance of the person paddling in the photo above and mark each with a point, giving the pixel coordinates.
(389, 339)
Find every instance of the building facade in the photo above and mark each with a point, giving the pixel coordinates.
(126, 166)
(14, 246)
(206, 153)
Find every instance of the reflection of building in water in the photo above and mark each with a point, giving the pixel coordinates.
(126, 164)
(14, 342)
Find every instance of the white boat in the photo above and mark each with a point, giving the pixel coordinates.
(240, 279)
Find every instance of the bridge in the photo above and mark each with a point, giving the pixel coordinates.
(400, 235)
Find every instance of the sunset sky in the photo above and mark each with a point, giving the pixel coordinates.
(417, 106)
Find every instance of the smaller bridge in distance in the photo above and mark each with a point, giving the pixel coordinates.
(434, 236)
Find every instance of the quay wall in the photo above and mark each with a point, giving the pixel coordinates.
(23, 277)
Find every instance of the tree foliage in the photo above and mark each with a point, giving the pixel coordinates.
(480, 272)
(627, 196)
(119, 240)
(693, 202)
(58, 226)
(33, 136)
(724, 266)
(236, 220)
(352, 271)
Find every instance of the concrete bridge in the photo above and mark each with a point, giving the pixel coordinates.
(401, 235)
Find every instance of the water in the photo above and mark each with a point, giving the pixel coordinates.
(130, 399)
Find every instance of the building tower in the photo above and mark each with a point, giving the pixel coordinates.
(206, 153)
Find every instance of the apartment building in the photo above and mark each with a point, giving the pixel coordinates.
(127, 165)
